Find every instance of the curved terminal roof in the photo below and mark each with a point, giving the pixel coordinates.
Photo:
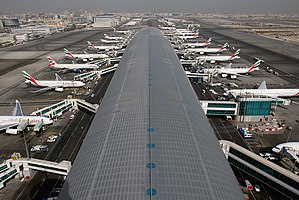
(150, 138)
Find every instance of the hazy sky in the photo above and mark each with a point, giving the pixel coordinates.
(203, 6)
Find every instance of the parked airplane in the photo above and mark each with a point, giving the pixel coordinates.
(102, 48)
(70, 67)
(84, 57)
(185, 36)
(187, 33)
(208, 50)
(224, 71)
(122, 32)
(56, 85)
(112, 37)
(263, 91)
(110, 41)
(17, 118)
(193, 75)
(218, 58)
(167, 27)
(290, 146)
(196, 45)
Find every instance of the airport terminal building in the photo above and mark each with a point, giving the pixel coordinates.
(150, 138)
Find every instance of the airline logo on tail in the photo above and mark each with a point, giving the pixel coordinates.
(223, 47)
(69, 53)
(235, 54)
(208, 41)
(51, 62)
(257, 63)
(91, 45)
(29, 78)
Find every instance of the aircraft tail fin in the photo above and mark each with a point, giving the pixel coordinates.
(223, 47)
(17, 111)
(29, 78)
(91, 45)
(235, 54)
(51, 61)
(257, 63)
(263, 85)
(208, 41)
(67, 52)
(58, 78)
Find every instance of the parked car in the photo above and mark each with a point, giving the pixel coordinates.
(257, 188)
(245, 133)
(52, 138)
(39, 148)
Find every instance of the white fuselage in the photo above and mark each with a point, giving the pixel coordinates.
(193, 75)
(236, 70)
(113, 37)
(206, 50)
(32, 120)
(216, 58)
(186, 37)
(106, 48)
(56, 84)
(167, 28)
(110, 41)
(290, 146)
(182, 30)
(265, 92)
(87, 56)
(180, 34)
(196, 45)
(75, 66)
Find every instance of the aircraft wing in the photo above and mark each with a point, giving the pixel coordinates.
(6, 126)
(43, 89)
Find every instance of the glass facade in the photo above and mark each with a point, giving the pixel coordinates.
(264, 168)
(62, 109)
(220, 112)
(255, 108)
(222, 105)
(274, 185)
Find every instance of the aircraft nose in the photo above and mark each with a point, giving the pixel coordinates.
(275, 149)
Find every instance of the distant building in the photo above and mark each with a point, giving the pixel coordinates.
(10, 22)
(80, 20)
(105, 21)
(6, 38)
(22, 37)
(37, 30)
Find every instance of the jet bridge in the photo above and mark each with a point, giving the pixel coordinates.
(53, 111)
(88, 76)
(57, 109)
(6, 174)
(107, 70)
(85, 105)
(26, 165)
(38, 126)
(293, 157)
(22, 125)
